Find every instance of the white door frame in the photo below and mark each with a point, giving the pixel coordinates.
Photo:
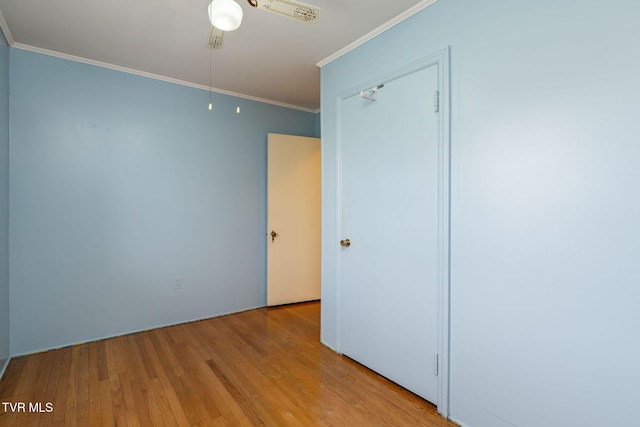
(441, 60)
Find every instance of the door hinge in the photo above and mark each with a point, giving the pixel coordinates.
(436, 364)
(436, 101)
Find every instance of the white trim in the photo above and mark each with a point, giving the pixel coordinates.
(3, 369)
(155, 76)
(339, 225)
(5, 29)
(134, 331)
(444, 231)
(381, 29)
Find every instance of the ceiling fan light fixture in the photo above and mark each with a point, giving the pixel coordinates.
(225, 15)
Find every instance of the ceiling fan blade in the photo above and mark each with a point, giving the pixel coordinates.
(216, 38)
(291, 8)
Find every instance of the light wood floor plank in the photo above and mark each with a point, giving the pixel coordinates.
(263, 367)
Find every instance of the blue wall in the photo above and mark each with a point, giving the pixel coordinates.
(545, 207)
(4, 203)
(121, 183)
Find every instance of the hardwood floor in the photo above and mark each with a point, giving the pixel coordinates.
(263, 367)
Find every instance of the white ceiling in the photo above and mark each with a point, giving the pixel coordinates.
(277, 55)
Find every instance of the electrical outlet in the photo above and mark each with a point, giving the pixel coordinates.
(177, 282)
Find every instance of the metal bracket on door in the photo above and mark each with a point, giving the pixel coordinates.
(371, 93)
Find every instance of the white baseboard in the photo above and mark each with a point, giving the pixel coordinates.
(3, 368)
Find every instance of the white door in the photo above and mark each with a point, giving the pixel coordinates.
(293, 209)
(389, 273)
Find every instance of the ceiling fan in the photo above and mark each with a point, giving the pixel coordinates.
(226, 15)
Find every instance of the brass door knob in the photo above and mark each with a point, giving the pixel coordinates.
(345, 243)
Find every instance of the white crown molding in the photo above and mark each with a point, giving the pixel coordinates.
(381, 29)
(156, 76)
(5, 30)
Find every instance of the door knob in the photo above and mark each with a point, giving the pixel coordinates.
(273, 235)
(345, 243)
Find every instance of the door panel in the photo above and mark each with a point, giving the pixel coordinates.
(389, 273)
(293, 205)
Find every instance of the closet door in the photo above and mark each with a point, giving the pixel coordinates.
(293, 211)
(389, 256)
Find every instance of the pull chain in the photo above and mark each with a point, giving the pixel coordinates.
(210, 77)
